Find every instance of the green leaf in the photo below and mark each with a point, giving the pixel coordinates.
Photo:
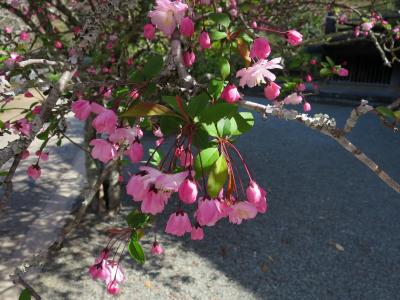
(200, 138)
(54, 77)
(215, 88)
(217, 176)
(150, 90)
(171, 101)
(225, 127)
(217, 35)
(397, 114)
(25, 295)
(153, 66)
(122, 91)
(197, 104)
(330, 61)
(208, 157)
(386, 112)
(137, 219)
(137, 76)
(155, 158)
(224, 68)
(43, 135)
(170, 125)
(244, 122)
(2, 126)
(3, 173)
(136, 251)
(215, 112)
(325, 72)
(211, 129)
(146, 109)
(221, 19)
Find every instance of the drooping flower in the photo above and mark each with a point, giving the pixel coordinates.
(154, 200)
(306, 107)
(178, 223)
(81, 109)
(208, 211)
(272, 91)
(149, 31)
(125, 135)
(103, 150)
(309, 78)
(100, 269)
(113, 287)
(34, 171)
(137, 185)
(186, 27)
(156, 249)
(230, 94)
(105, 122)
(242, 210)
(197, 233)
(167, 14)
(186, 158)
(294, 37)
(257, 196)
(188, 191)
(204, 40)
(257, 73)
(293, 99)
(25, 154)
(116, 272)
(44, 156)
(135, 152)
(189, 58)
(22, 126)
(260, 48)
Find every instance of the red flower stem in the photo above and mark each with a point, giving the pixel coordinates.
(242, 159)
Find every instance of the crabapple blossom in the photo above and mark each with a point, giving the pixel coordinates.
(135, 152)
(208, 211)
(186, 27)
(167, 14)
(34, 171)
(103, 150)
(230, 94)
(178, 223)
(189, 58)
(188, 191)
(156, 249)
(204, 40)
(343, 72)
(105, 122)
(293, 99)
(272, 91)
(149, 31)
(82, 109)
(242, 210)
(306, 107)
(44, 156)
(197, 233)
(294, 37)
(260, 48)
(257, 73)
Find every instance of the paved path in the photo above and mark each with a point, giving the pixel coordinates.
(37, 210)
(332, 230)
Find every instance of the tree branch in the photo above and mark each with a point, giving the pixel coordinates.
(7, 183)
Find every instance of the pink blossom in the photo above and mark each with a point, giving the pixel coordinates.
(306, 107)
(272, 91)
(113, 287)
(81, 109)
(367, 26)
(204, 40)
(166, 15)
(105, 122)
(149, 31)
(135, 152)
(100, 269)
(178, 223)
(116, 272)
(188, 191)
(208, 211)
(156, 249)
(170, 182)
(230, 94)
(301, 87)
(159, 142)
(44, 156)
(154, 200)
(197, 233)
(134, 94)
(24, 36)
(186, 27)
(189, 58)
(294, 37)
(25, 154)
(97, 108)
(293, 99)
(260, 49)
(313, 61)
(58, 44)
(22, 126)
(255, 74)
(137, 185)
(343, 72)
(257, 196)
(126, 134)
(309, 78)
(242, 210)
(28, 94)
(34, 171)
(254, 25)
(157, 132)
(37, 110)
(103, 150)
(8, 29)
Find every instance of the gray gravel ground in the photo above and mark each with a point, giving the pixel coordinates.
(332, 230)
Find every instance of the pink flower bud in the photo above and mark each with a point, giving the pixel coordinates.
(186, 27)
(343, 72)
(301, 87)
(293, 99)
(37, 110)
(204, 40)
(156, 249)
(24, 36)
(188, 191)
(309, 78)
(189, 58)
(294, 37)
(367, 26)
(253, 193)
(272, 91)
(186, 159)
(254, 25)
(58, 44)
(42, 155)
(134, 94)
(135, 152)
(34, 171)
(149, 31)
(313, 61)
(197, 233)
(178, 224)
(306, 107)
(113, 288)
(260, 48)
(230, 94)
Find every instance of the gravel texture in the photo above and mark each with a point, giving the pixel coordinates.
(332, 230)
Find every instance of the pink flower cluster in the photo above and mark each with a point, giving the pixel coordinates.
(108, 271)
